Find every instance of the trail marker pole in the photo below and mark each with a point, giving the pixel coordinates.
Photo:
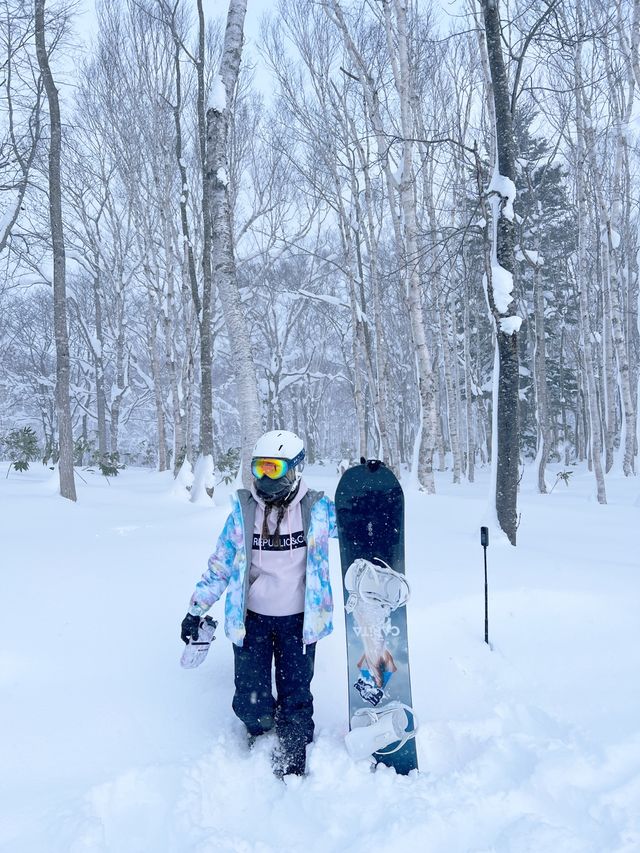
(484, 541)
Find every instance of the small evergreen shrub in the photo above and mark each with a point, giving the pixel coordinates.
(21, 446)
(228, 464)
(109, 464)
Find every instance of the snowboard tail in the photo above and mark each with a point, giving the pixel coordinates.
(370, 514)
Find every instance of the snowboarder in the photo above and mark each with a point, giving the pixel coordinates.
(273, 556)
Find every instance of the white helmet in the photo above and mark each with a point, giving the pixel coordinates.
(280, 444)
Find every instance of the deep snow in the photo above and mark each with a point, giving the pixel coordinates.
(108, 745)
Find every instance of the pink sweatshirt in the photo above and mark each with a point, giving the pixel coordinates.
(277, 575)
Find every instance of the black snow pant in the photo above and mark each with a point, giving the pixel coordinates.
(279, 639)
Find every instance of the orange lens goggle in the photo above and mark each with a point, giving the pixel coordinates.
(272, 468)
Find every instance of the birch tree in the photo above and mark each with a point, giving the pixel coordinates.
(400, 186)
(622, 87)
(347, 227)
(586, 332)
(320, 148)
(173, 17)
(217, 182)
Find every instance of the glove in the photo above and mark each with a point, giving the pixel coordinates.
(189, 628)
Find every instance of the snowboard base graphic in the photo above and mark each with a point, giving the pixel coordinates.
(370, 515)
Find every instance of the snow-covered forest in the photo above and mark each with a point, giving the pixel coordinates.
(344, 285)
(405, 229)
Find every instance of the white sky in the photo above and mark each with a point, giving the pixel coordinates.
(85, 25)
(86, 22)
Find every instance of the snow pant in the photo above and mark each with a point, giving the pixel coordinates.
(276, 639)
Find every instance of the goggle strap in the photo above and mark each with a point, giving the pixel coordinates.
(296, 460)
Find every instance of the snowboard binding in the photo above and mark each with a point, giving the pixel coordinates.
(375, 584)
(381, 732)
(196, 651)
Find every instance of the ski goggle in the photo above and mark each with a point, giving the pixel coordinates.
(271, 468)
(266, 466)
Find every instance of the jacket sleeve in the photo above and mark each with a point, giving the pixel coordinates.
(215, 579)
(331, 515)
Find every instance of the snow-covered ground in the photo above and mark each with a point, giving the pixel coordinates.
(106, 744)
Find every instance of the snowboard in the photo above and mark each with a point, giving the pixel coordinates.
(370, 516)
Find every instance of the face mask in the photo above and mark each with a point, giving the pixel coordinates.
(276, 491)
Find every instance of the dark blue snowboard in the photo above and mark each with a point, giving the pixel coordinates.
(370, 514)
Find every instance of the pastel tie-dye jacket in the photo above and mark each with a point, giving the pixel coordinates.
(228, 567)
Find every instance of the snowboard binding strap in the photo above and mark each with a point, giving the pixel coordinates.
(381, 732)
(377, 584)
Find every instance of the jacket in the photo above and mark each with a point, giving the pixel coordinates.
(228, 567)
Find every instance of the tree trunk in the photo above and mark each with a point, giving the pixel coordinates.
(426, 377)
(449, 357)
(563, 399)
(98, 357)
(611, 224)
(121, 378)
(609, 405)
(540, 372)
(217, 172)
(469, 387)
(156, 375)
(206, 343)
(166, 296)
(202, 306)
(382, 389)
(586, 338)
(63, 404)
(500, 285)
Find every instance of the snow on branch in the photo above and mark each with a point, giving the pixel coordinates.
(324, 297)
(502, 286)
(506, 189)
(510, 325)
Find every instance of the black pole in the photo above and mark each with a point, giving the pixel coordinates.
(484, 541)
